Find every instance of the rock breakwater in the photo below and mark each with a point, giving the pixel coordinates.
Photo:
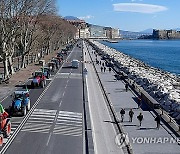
(163, 86)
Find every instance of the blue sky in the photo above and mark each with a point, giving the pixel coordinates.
(133, 15)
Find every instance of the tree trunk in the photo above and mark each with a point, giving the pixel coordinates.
(11, 65)
(5, 63)
(23, 61)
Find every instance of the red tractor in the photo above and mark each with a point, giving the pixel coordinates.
(39, 79)
(5, 127)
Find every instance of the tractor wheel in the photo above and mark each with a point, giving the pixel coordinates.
(29, 105)
(1, 139)
(24, 111)
(42, 84)
(8, 129)
(32, 85)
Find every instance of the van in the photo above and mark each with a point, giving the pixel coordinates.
(75, 63)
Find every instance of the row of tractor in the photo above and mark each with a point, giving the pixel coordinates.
(21, 103)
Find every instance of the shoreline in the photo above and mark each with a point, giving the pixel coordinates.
(172, 69)
(163, 86)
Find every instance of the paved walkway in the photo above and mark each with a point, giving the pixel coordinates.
(103, 131)
(21, 77)
(145, 139)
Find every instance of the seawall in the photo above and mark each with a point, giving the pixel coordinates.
(164, 87)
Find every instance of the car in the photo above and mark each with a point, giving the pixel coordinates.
(39, 79)
(75, 63)
(21, 103)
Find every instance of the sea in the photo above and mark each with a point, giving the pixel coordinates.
(162, 54)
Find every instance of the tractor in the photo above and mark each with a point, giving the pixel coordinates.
(20, 104)
(5, 127)
(39, 79)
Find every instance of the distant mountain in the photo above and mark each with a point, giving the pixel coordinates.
(178, 29)
(132, 35)
(149, 31)
(71, 18)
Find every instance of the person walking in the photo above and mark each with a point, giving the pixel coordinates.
(101, 68)
(131, 113)
(158, 120)
(140, 118)
(126, 87)
(109, 69)
(104, 69)
(122, 112)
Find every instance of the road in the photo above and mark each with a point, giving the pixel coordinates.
(55, 122)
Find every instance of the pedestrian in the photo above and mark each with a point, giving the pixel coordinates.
(158, 120)
(103, 64)
(140, 118)
(101, 68)
(104, 69)
(122, 112)
(131, 113)
(109, 69)
(126, 87)
(139, 102)
(100, 62)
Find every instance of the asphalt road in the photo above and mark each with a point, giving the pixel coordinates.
(55, 125)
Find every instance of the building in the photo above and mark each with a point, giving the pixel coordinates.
(166, 34)
(112, 33)
(97, 31)
(85, 30)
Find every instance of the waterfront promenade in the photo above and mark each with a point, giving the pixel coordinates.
(159, 140)
(102, 125)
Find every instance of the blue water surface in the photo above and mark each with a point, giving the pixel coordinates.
(163, 54)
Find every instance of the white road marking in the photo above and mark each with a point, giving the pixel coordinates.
(70, 118)
(48, 139)
(68, 124)
(39, 128)
(70, 121)
(60, 103)
(69, 113)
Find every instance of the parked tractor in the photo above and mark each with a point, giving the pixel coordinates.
(39, 79)
(5, 127)
(46, 71)
(21, 103)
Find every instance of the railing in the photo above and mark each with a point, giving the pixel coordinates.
(152, 103)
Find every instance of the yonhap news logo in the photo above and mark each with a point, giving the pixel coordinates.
(122, 140)
(155, 140)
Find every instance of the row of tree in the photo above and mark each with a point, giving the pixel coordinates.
(30, 27)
